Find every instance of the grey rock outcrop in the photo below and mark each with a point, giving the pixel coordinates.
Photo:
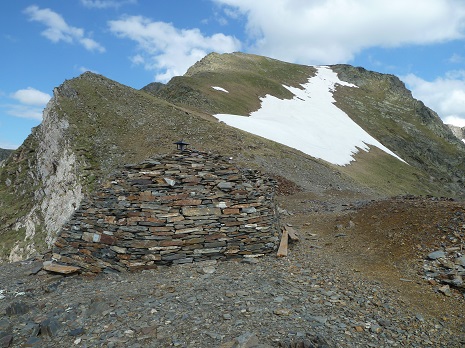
(57, 192)
(459, 132)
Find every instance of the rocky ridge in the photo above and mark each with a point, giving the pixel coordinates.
(403, 124)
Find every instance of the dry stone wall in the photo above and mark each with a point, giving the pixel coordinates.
(177, 208)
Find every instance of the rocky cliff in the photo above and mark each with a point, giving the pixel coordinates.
(42, 186)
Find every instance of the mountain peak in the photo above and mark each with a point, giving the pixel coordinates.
(236, 61)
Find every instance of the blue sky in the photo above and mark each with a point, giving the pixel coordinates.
(136, 42)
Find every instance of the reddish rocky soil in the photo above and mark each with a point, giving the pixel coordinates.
(388, 241)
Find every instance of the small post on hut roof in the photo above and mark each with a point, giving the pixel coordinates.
(181, 145)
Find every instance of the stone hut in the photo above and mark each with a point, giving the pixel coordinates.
(176, 208)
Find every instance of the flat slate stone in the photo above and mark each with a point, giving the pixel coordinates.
(62, 269)
(36, 269)
(17, 308)
(436, 255)
(33, 342)
(49, 327)
(6, 340)
(460, 261)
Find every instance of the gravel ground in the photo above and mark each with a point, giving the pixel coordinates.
(331, 289)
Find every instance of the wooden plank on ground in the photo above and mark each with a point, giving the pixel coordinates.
(292, 234)
(282, 250)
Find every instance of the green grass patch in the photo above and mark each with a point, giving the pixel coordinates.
(8, 240)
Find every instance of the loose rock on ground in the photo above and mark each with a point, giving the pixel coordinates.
(329, 291)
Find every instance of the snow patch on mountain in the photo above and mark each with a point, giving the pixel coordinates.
(309, 122)
(220, 89)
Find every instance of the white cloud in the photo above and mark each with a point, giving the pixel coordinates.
(101, 4)
(58, 30)
(455, 120)
(91, 45)
(31, 96)
(445, 95)
(24, 111)
(31, 103)
(334, 31)
(168, 49)
(137, 59)
(83, 69)
(456, 58)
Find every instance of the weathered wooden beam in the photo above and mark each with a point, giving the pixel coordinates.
(282, 250)
(292, 233)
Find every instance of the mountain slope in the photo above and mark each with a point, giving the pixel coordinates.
(93, 126)
(309, 122)
(381, 105)
(4, 153)
(246, 77)
(385, 109)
